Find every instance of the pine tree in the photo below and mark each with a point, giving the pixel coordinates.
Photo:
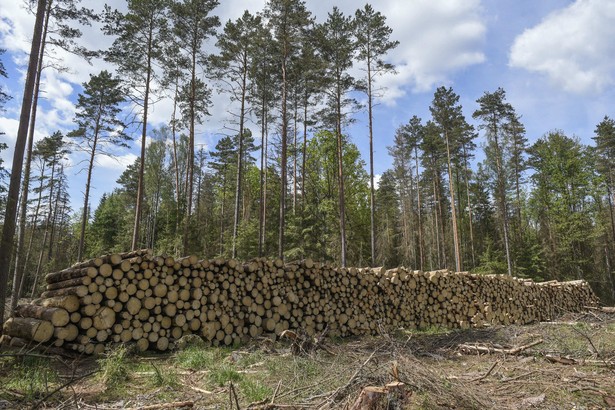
(232, 68)
(288, 20)
(58, 32)
(446, 112)
(8, 231)
(141, 35)
(98, 129)
(193, 24)
(494, 113)
(373, 44)
(52, 150)
(337, 48)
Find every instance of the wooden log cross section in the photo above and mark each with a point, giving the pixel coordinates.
(152, 301)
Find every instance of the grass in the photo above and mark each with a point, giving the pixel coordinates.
(221, 375)
(254, 390)
(200, 358)
(114, 369)
(164, 378)
(30, 376)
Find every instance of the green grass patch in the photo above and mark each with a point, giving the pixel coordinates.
(254, 390)
(164, 377)
(30, 376)
(114, 369)
(223, 374)
(199, 358)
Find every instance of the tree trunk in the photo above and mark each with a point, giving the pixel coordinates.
(47, 230)
(261, 215)
(54, 218)
(222, 210)
(34, 222)
(176, 165)
(501, 187)
(372, 228)
(296, 114)
(141, 183)
(283, 159)
(8, 231)
(304, 153)
(190, 179)
(240, 156)
(86, 197)
(340, 175)
(418, 207)
(21, 230)
(471, 223)
(453, 210)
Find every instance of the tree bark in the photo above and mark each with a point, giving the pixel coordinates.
(23, 211)
(141, 183)
(453, 210)
(8, 231)
(240, 154)
(372, 229)
(283, 170)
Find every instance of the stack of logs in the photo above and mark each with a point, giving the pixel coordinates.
(152, 301)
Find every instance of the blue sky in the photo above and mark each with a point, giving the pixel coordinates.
(554, 58)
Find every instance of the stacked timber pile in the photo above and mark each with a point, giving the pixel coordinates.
(152, 301)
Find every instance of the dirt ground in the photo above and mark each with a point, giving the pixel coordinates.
(567, 364)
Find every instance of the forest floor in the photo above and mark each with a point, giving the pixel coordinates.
(567, 364)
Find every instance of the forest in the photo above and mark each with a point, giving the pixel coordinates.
(288, 180)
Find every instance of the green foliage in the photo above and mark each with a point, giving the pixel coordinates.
(561, 204)
(165, 378)
(114, 369)
(32, 377)
(224, 373)
(199, 358)
(492, 260)
(254, 390)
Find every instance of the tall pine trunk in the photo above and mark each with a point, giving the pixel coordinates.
(141, 183)
(418, 207)
(240, 156)
(21, 230)
(263, 194)
(8, 231)
(340, 175)
(84, 219)
(470, 217)
(453, 206)
(372, 226)
(283, 161)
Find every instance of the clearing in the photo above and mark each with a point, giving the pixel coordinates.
(568, 364)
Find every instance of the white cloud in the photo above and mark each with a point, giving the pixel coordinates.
(436, 38)
(116, 161)
(377, 179)
(573, 46)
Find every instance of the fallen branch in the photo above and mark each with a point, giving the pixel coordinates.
(478, 349)
(68, 383)
(175, 405)
(233, 395)
(348, 384)
(605, 309)
(486, 374)
(571, 361)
